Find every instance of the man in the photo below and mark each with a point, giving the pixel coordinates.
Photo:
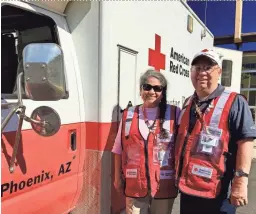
(214, 143)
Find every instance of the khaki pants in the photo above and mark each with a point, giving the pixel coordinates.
(148, 205)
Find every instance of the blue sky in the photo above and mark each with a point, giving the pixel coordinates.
(220, 18)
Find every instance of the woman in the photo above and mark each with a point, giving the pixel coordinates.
(144, 150)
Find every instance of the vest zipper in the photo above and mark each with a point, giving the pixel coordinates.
(146, 163)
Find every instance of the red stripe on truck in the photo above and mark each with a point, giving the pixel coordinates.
(100, 136)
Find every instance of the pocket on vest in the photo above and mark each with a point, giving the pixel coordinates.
(133, 153)
(207, 147)
(202, 176)
(133, 180)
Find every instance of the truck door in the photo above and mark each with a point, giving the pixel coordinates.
(231, 68)
(45, 173)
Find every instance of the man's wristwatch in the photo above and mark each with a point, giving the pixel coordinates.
(241, 173)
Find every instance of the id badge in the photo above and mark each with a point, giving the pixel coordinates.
(208, 142)
(164, 156)
(164, 150)
(209, 139)
(214, 131)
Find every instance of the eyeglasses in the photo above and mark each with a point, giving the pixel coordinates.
(206, 68)
(156, 88)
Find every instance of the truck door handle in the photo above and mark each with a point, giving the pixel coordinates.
(73, 140)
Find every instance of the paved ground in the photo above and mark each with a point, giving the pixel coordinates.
(245, 210)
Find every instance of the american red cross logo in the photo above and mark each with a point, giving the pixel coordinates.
(155, 57)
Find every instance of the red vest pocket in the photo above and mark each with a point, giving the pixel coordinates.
(202, 177)
(135, 185)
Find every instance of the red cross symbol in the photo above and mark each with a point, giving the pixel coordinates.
(155, 57)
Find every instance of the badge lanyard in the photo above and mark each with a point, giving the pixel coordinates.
(201, 118)
(155, 123)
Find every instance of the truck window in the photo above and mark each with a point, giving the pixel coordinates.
(20, 28)
(226, 76)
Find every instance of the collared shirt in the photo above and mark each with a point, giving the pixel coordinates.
(240, 122)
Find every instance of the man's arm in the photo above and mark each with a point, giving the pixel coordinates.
(243, 132)
(243, 162)
(244, 155)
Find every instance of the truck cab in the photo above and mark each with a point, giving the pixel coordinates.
(40, 162)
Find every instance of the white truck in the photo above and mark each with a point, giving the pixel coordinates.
(68, 69)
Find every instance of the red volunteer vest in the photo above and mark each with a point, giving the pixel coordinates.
(203, 151)
(147, 161)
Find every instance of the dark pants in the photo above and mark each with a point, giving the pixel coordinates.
(196, 205)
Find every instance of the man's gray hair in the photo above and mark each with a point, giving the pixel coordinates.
(153, 73)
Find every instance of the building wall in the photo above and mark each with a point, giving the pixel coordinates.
(248, 79)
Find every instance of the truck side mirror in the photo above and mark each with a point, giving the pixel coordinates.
(45, 81)
(44, 76)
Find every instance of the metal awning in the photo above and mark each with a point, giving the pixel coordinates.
(245, 37)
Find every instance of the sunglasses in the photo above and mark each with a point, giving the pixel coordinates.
(156, 88)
